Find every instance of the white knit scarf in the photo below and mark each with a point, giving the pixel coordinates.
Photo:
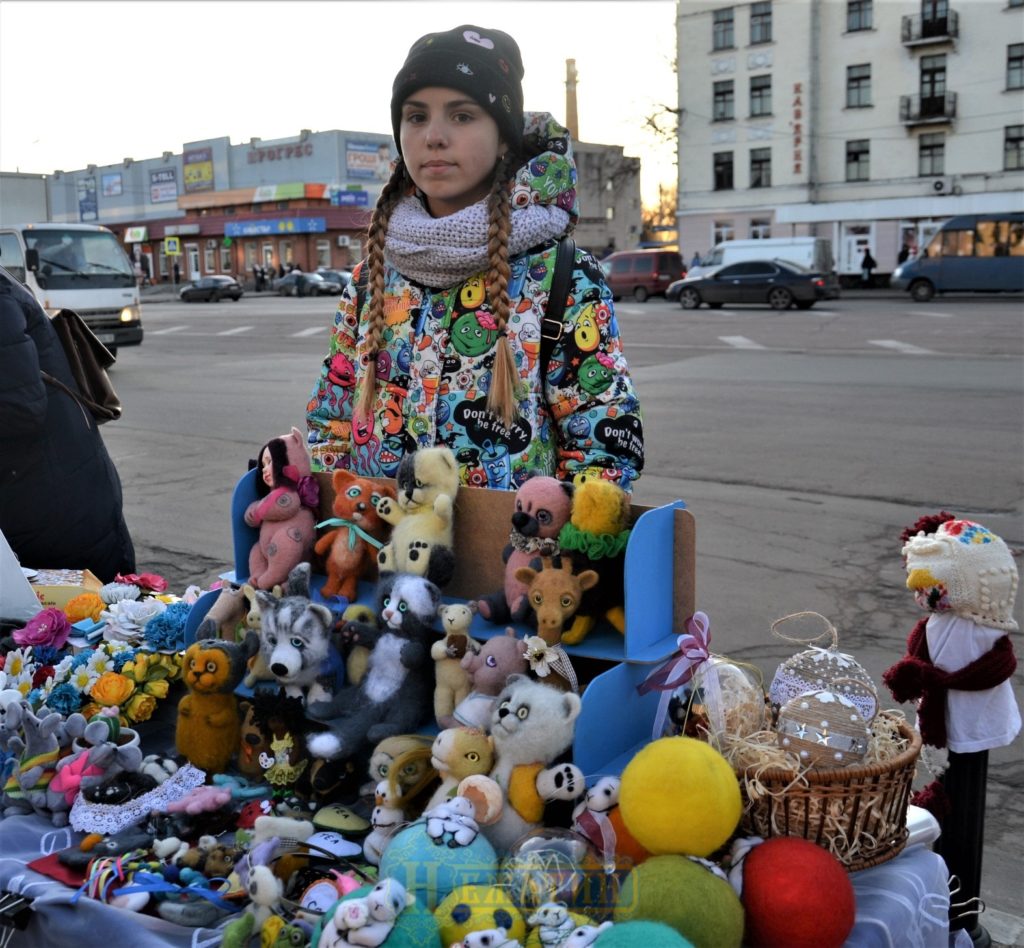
(440, 252)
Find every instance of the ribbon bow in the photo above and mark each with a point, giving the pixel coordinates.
(354, 531)
(691, 650)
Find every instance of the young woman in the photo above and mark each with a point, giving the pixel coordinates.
(437, 340)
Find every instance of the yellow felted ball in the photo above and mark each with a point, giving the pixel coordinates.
(477, 908)
(679, 795)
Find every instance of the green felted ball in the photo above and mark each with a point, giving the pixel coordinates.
(430, 871)
(477, 908)
(414, 928)
(641, 935)
(675, 890)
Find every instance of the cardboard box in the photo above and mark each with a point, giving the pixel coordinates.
(57, 587)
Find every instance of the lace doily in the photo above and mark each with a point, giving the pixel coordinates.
(110, 818)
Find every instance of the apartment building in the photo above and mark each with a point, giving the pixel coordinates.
(869, 122)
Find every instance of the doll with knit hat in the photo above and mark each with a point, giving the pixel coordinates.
(444, 319)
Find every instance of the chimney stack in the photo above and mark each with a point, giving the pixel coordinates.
(572, 121)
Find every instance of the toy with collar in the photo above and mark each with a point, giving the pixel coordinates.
(552, 922)
(595, 538)
(555, 594)
(395, 694)
(452, 682)
(367, 920)
(542, 508)
(533, 727)
(208, 724)
(488, 670)
(422, 516)
(284, 511)
(350, 548)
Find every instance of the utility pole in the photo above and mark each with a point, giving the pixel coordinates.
(572, 121)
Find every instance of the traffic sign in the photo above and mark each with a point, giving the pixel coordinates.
(172, 246)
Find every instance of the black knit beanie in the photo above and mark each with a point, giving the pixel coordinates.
(485, 64)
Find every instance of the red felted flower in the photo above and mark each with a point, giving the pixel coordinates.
(49, 627)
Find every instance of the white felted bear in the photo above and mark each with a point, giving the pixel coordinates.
(368, 921)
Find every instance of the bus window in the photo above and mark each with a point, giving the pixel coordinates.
(1016, 240)
(993, 239)
(934, 248)
(958, 243)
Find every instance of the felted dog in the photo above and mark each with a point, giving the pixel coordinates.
(452, 681)
(359, 532)
(422, 516)
(395, 694)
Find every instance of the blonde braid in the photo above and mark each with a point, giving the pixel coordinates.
(390, 195)
(501, 397)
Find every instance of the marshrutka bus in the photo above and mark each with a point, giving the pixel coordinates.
(81, 267)
(981, 253)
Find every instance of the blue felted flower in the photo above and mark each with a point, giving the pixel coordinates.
(47, 654)
(82, 658)
(65, 698)
(123, 657)
(167, 630)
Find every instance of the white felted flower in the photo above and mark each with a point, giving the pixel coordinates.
(540, 655)
(126, 620)
(116, 592)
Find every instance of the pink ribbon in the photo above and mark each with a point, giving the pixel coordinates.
(692, 648)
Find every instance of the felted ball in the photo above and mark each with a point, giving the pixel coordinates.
(686, 896)
(641, 935)
(796, 895)
(679, 795)
(477, 908)
(415, 926)
(430, 871)
(544, 866)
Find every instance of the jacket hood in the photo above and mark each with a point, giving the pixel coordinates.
(548, 173)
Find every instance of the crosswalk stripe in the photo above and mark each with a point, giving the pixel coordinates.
(312, 331)
(741, 342)
(166, 332)
(235, 331)
(904, 347)
(929, 312)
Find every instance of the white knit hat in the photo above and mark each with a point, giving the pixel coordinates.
(973, 565)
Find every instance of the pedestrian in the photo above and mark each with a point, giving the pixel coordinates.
(437, 339)
(60, 495)
(867, 264)
(695, 262)
(902, 256)
(177, 272)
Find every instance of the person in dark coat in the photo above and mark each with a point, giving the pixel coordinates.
(60, 494)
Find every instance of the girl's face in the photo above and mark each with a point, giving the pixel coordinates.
(451, 146)
(267, 469)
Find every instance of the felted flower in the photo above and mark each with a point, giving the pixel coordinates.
(86, 606)
(167, 630)
(157, 688)
(49, 627)
(540, 655)
(148, 582)
(100, 662)
(65, 698)
(126, 620)
(41, 673)
(17, 661)
(82, 679)
(111, 689)
(23, 683)
(140, 707)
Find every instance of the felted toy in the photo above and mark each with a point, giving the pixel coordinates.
(452, 823)
(350, 548)
(114, 844)
(794, 893)
(265, 892)
(457, 753)
(284, 512)
(478, 908)
(284, 828)
(368, 920)
(595, 539)
(295, 640)
(386, 819)
(499, 657)
(208, 724)
(422, 516)
(598, 819)
(395, 694)
(542, 508)
(225, 616)
(389, 750)
(555, 593)
(212, 858)
(679, 795)
(552, 923)
(35, 746)
(533, 727)
(492, 938)
(257, 668)
(451, 681)
(203, 799)
(686, 895)
(357, 656)
(414, 926)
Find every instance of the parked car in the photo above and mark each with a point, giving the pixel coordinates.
(344, 277)
(778, 284)
(211, 289)
(642, 273)
(306, 284)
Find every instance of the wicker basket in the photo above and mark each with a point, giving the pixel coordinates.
(857, 813)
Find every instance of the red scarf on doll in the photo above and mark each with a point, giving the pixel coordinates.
(914, 676)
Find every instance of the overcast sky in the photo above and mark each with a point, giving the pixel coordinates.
(95, 82)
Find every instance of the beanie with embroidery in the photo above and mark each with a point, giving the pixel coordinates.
(485, 64)
(965, 568)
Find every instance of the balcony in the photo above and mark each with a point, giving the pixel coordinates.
(919, 30)
(927, 109)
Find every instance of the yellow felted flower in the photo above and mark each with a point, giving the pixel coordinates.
(158, 688)
(112, 689)
(85, 606)
(140, 707)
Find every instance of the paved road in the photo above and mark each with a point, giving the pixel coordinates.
(802, 441)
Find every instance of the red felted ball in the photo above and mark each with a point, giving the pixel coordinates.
(796, 895)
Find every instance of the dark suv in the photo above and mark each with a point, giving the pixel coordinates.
(642, 273)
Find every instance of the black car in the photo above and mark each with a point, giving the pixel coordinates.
(211, 289)
(298, 283)
(778, 284)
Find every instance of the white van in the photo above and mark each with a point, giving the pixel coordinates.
(811, 253)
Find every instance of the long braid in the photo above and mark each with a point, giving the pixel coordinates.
(501, 397)
(390, 195)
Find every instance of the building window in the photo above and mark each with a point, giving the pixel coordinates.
(1015, 66)
(723, 231)
(723, 102)
(760, 23)
(858, 15)
(225, 259)
(323, 253)
(931, 155)
(1013, 148)
(760, 228)
(760, 167)
(760, 95)
(722, 29)
(250, 255)
(208, 259)
(858, 86)
(723, 170)
(609, 213)
(1015, 3)
(858, 160)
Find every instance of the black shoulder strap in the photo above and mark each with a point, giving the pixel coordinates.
(551, 325)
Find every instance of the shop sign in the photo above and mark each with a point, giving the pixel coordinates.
(181, 230)
(294, 225)
(163, 186)
(280, 153)
(197, 165)
(798, 127)
(368, 160)
(112, 185)
(87, 210)
(350, 198)
(135, 235)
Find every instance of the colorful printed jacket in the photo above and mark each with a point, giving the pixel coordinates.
(434, 368)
